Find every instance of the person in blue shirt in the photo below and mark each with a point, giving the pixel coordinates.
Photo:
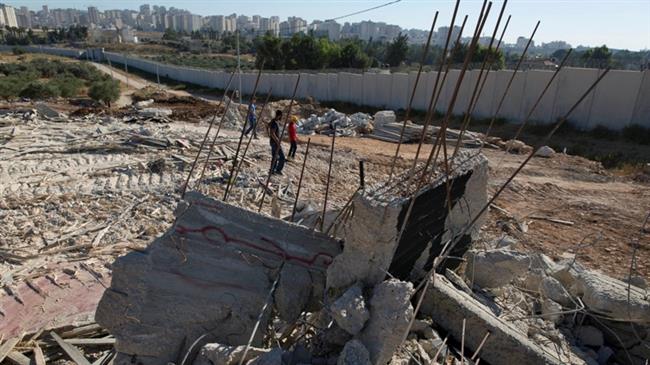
(252, 119)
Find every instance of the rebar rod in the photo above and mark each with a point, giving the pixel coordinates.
(205, 138)
(431, 108)
(241, 135)
(248, 143)
(277, 151)
(512, 77)
(410, 104)
(487, 62)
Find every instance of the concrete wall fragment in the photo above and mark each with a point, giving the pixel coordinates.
(210, 273)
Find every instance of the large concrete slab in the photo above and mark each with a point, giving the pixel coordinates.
(641, 114)
(208, 274)
(448, 307)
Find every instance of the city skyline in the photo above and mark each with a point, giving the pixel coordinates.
(615, 32)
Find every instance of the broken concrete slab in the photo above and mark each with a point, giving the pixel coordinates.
(349, 311)
(354, 353)
(293, 292)
(390, 316)
(553, 289)
(610, 297)
(208, 275)
(373, 232)
(273, 357)
(448, 308)
(496, 268)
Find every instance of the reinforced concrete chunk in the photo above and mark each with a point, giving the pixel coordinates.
(373, 244)
(349, 311)
(448, 306)
(293, 292)
(210, 273)
(496, 268)
(390, 315)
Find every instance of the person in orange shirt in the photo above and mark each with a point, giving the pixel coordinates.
(293, 137)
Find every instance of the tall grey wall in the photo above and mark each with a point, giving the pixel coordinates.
(622, 98)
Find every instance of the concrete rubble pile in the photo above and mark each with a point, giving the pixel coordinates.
(198, 291)
(599, 318)
(228, 286)
(349, 126)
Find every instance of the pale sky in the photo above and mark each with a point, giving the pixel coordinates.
(617, 23)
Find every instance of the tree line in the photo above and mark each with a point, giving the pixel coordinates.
(43, 78)
(18, 36)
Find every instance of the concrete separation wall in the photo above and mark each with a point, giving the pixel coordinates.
(621, 99)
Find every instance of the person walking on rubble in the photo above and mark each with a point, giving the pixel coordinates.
(277, 156)
(252, 120)
(293, 137)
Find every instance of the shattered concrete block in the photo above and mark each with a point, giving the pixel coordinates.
(210, 273)
(390, 315)
(506, 345)
(551, 288)
(293, 292)
(610, 297)
(349, 311)
(374, 245)
(496, 268)
(218, 354)
(354, 353)
(590, 336)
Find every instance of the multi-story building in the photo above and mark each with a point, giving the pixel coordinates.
(8, 16)
(329, 29)
(441, 36)
(93, 15)
(24, 17)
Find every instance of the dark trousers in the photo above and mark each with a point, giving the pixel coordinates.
(277, 162)
(292, 149)
(252, 123)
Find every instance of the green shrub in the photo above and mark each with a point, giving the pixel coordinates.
(39, 90)
(17, 51)
(68, 85)
(602, 132)
(106, 91)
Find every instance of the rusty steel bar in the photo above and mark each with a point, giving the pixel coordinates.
(327, 185)
(275, 155)
(514, 73)
(302, 173)
(408, 109)
(487, 62)
(241, 136)
(431, 107)
(214, 139)
(248, 143)
(473, 221)
(539, 99)
(205, 138)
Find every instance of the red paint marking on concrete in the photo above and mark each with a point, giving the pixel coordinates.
(277, 249)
